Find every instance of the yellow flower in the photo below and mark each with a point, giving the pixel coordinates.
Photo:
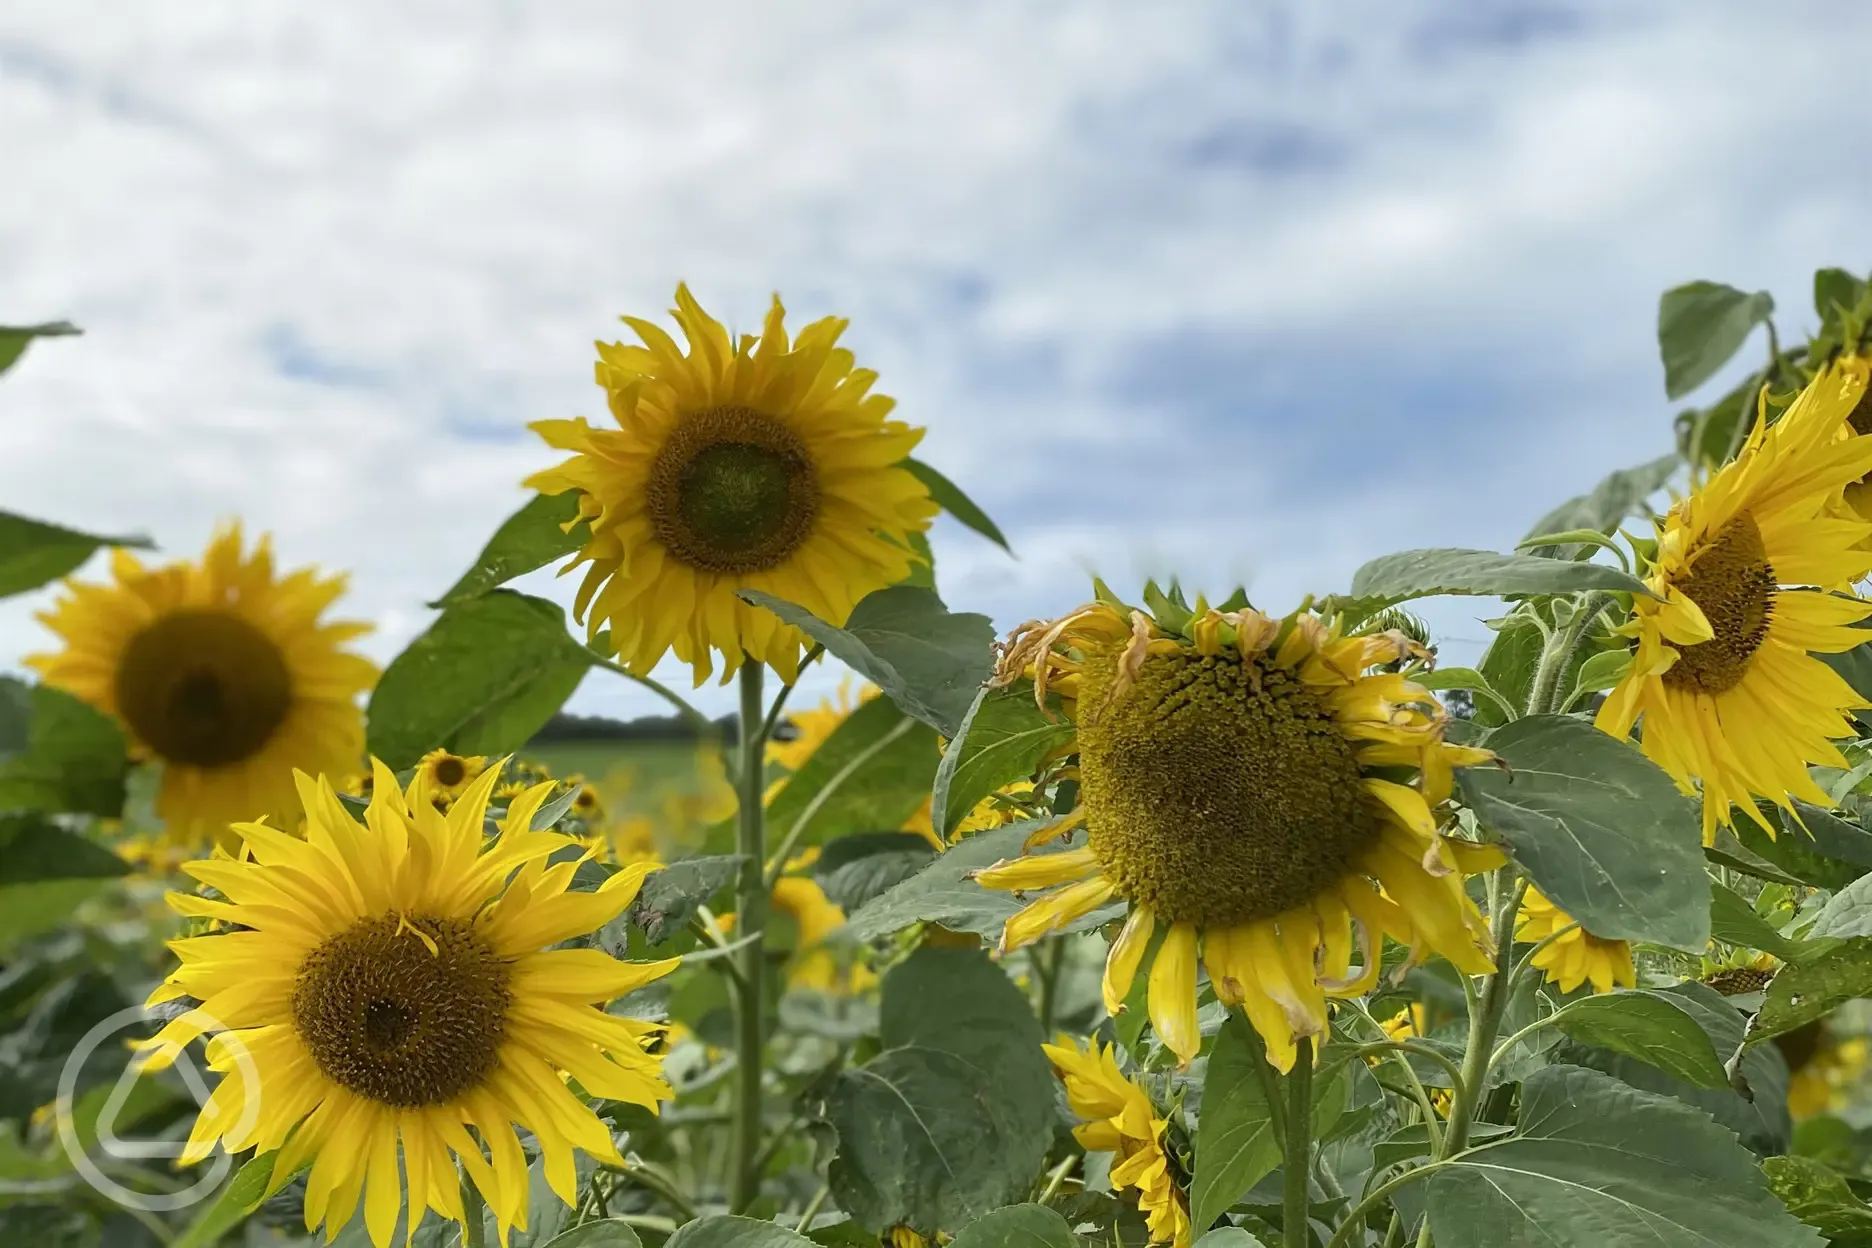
(450, 773)
(221, 671)
(1240, 784)
(632, 840)
(1826, 1072)
(815, 964)
(1740, 973)
(758, 463)
(1724, 675)
(395, 983)
(1124, 1123)
(1577, 957)
(1409, 1023)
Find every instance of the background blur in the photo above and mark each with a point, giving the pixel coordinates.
(1245, 293)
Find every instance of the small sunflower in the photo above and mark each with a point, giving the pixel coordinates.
(811, 727)
(1412, 1022)
(1749, 574)
(1247, 783)
(1739, 974)
(1826, 1070)
(449, 774)
(1577, 957)
(763, 463)
(816, 964)
(632, 839)
(1125, 1124)
(221, 671)
(394, 982)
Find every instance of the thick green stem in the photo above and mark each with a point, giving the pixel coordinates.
(1485, 1019)
(751, 958)
(1050, 963)
(474, 1229)
(1298, 1161)
(1557, 655)
(1354, 1224)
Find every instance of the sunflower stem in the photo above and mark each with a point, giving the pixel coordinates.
(474, 1229)
(751, 917)
(1299, 1146)
(1557, 654)
(1485, 1019)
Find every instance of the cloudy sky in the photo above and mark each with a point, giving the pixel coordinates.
(1240, 291)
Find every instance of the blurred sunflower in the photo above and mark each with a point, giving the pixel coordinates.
(1724, 676)
(393, 983)
(1826, 1070)
(1740, 974)
(1125, 1124)
(449, 774)
(816, 964)
(1412, 1023)
(763, 463)
(1247, 783)
(1577, 957)
(221, 671)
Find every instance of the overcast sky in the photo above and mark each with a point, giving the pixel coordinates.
(1240, 291)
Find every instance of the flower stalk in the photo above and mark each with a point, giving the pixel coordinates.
(751, 958)
(1299, 1146)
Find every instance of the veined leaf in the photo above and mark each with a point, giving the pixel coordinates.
(1809, 989)
(1236, 1141)
(34, 553)
(1391, 579)
(727, 1231)
(1018, 1226)
(1650, 1027)
(950, 498)
(1700, 326)
(1003, 738)
(530, 538)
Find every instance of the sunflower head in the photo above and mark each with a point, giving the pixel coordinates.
(759, 462)
(221, 671)
(1252, 783)
(1122, 1120)
(1575, 956)
(388, 986)
(449, 774)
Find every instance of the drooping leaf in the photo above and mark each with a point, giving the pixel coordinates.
(608, 1233)
(235, 1205)
(670, 897)
(57, 753)
(33, 849)
(1812, 988)
(14, 339)
(1600, 828)
(1017, 1226)
(530, 538)
(1649, 1026)
(1796, 851)
(34, 553)
(853, 869)
(1391, 579)
(1700, 326)
(1835, 291)
(950, 498)
(1003, 738)
(871, 774)
(1597, 1162)
(1733, 921)
(927, 659)
(1618, 497)
(476, 672)
(1821, 1197)
(727, 1231)
(1236, 1142)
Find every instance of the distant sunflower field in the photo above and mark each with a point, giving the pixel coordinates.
(1176, 919)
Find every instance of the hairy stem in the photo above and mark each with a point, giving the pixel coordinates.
(1299, 1145)
(1485, 1019)
(751, 958)
(1557, 654)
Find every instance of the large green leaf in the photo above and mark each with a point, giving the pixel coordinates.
(942, 893)
(1017, 1226)
(1649, 1026)
(1509, 665)
(670, 897)
(33, 552)
(950, 498)
(927, 659)
(1003, 738)
(1409, 574)
(1847, 913)
(1236, 1142)
(32, 849)
(725, 1231)
(1734, 922)
(1600, 1163)
(923, 1141)
(853, 869)
(1228, 1237)
(1821, 1197)
(870, 775)
(57, 753)
(1812, 988)
(1835, 291)
(531, 538)
(236, 1203)
(609, 1233)
(1700, 326)
(1619, 496)
(464, 677)
(15, 338)
(1600, 828)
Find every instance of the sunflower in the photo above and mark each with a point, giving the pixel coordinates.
(393, 982)
(449, 774)
(761, 463)
(816, 965)
(1412, 1023)
(1125, 1124)
(1247, 783)
(810, 728)
(1724, 675)
(1578, 956)
(221, 671)
(1826, 1071)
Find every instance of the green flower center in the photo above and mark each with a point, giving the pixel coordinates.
(732, 491)
(396, 1023)
(203, 688)
(1732, 582)
(1217, 791)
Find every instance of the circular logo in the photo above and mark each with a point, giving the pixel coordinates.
(110, 1147)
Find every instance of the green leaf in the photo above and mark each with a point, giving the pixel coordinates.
(476, 674)
(1391, 579)
(725, 1231)
(871, 774)
(1821, 1197)
(940, 894)
(1650, 1027)
(1236, 1143)
(1847, 913)
(1228, 1237)
(236, 1204)
(1017, 1226)
(950, 498)
(1700, 326)
(57, 753)
(29, 909)
(1508, 666)
(853, 869)
(1829, 835)
(1734, 922)
(1603, 670)
(530, 538)
(1835, 291)
(14, 338)
(928, 660)
(1600, 1163)
(1003, 738)
(609, 1233)
(33, 552)
(1600, 828)
(1795, 851)
(670, 897)
(1809, 989)
(33, 849)
(1618, 497)
(509, 724)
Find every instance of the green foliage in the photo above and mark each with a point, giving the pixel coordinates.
(1700, 326)
(33, 552)
(609, 1233)
(670, 898)
(723, 1231)
(1813, 987)
(1003, 738)
(1237, 1143)
(1649, 1026)
(950, 498)
(1822, 1199)
(57, 753)
(1017, 1226)
(236, 1203)
(531, 538)
(1733, 921)
(1614, 500)
(1599, 827)
(856, 868)
(871, 774)
(14, 339)
(1410, 574)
